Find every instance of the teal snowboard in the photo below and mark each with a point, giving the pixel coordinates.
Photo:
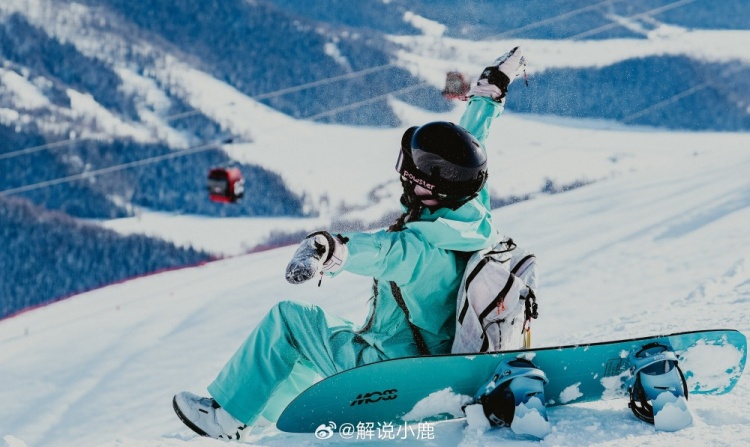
(434, 387)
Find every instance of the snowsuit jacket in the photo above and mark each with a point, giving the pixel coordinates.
(424, 261)
(296, 344)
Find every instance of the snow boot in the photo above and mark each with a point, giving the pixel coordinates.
(205, 416)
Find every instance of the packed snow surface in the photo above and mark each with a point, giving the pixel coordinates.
(656, 250)
(527, 419)
(671, 413)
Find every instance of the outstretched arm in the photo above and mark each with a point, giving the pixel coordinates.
(487, 97)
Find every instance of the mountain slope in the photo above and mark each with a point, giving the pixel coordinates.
(105, 70)
(652, 251)
(91, 86)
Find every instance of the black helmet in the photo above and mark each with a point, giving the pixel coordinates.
(445, 159)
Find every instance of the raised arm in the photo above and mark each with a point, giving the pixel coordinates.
(487, 97)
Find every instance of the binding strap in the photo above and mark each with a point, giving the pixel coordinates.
(639, 399)
(418, 339)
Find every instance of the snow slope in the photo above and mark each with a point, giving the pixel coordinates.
(662, 248)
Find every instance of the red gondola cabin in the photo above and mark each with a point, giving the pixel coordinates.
(225, 185)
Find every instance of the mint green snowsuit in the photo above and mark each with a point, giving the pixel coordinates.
(295, 344)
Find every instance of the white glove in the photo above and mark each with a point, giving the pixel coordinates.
(318, 252)
(495, 79)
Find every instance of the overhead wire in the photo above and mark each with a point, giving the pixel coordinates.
(599, 29)
(194, 149)
(109, 169)
(358, 104)
(351, 75)
(280, 92)
(667, 101)
(272, 94)
(676, 97)
(382, 67)
(53, 145)
(664, 102)
(648, 13)
(300, 87)
(676, 4)
(549, 20)
(329, 80)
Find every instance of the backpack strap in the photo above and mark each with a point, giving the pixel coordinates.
(469, 279)
(418, 339)
(476, 271)
(523, 264)
(509, 246)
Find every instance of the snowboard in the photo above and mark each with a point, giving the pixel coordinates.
(432, 388)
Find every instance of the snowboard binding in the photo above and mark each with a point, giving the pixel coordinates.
(514, 392)
(657, 382)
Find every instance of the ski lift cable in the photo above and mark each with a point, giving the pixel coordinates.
(648, 13)
(63, 143)
(597, 30)
(676, 97)
(109, 169)
(300, 87)
(191, 150)
(314, 117)
(664, 102)
(280, 92)
(324, 81)
(358, 104)
(667, 101)
(578, 11)
(549, 20)
(53, 145)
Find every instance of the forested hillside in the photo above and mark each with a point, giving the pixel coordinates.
(48, 255)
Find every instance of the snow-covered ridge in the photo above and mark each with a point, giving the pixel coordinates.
(90, 31)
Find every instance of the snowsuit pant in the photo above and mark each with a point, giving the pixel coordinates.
(292, 347)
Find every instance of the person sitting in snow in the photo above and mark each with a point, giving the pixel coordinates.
(417, 265)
